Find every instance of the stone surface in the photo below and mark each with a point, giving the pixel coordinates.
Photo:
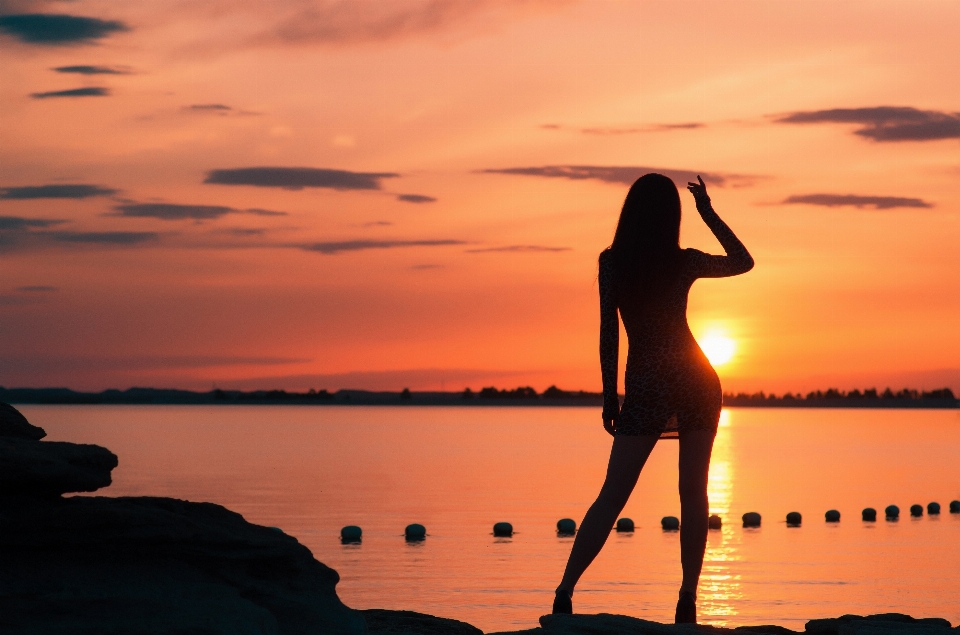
(156, 565)
(383, 622)
(14, 424)
(880, 624)
(608, 624)
(51, 468)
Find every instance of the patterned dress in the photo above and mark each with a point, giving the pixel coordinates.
(669, 384)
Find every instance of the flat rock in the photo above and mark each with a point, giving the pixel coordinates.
(384, 622)
(142, 565)
(880, 624)
(14, 424)
(608, 624)
(51, 468)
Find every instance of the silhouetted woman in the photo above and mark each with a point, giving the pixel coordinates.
(671, 389)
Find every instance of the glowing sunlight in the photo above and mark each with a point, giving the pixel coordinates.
(718, 348)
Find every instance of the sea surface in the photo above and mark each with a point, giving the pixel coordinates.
(459, 470)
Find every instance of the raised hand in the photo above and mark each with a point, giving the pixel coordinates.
(699, 191)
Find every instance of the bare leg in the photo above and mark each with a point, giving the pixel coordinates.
(626, 460)
(695, 449)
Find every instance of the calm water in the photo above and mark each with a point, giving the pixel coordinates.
(311, 470)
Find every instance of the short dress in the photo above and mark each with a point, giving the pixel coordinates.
(669, 385)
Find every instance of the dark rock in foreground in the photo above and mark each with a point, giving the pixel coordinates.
(383, 622)
(51, 468)
(14, 424)
(608, 624)
(157, 565)
(882, 624)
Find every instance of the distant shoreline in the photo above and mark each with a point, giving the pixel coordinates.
(488, 397)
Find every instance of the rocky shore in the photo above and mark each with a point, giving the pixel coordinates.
(149, 565)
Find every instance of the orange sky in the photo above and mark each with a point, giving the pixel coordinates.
(829, 134)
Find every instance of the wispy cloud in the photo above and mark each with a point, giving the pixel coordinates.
(518, 248)
(377, 223)
(222, 108)
(91, 91)
(17, 223)
(37, 288)
(101, 238)
(375, 21)
(625, 130)
(855, 200)
(338, 247)
(886, 123)
(172, 211)
(85, 363)
(415, 198)
(85, 69)
(58, 29)
(624, 175)
(71, 190)
(298, 178)
(664, 127)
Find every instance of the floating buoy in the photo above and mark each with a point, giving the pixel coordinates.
(714, 522)
(670, 523)
(351, 533)
(503, 530)
(832, 516)
(955, 507)
(794, 519)
(869, 514)
(751, 519)
(566, 527)
(916, 511)
(624, 524)
(933, 508)
(892, 512)
(415, 532)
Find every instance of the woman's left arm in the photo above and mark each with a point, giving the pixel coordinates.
(738, 260)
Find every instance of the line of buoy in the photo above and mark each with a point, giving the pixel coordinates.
(503, 530)
(670, 523)
(415, 532)
(352, 534)
(751, 519)
(566, 527)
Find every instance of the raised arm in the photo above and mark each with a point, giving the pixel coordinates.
(737, 260)
(609, 340)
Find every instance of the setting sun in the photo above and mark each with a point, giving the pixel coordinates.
(719, 349)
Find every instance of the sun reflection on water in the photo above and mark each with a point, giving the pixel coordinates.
(720, 589)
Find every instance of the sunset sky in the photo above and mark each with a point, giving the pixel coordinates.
(376, 194)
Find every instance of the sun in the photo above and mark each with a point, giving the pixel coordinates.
(718, 348)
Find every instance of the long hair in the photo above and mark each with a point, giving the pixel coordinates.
(646, 244)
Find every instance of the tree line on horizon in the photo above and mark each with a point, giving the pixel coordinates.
(906, 394)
